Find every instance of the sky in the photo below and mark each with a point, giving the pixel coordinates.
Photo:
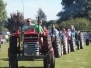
(30, 7)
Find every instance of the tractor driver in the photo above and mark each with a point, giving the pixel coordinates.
(28, 25)
(38, 28)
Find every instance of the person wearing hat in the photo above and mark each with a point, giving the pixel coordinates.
(28, 25)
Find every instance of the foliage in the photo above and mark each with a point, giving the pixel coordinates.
(2, 28)
(75, 8)
(34, 21)
(49, 23)
(41, 14)
(3, 13)
(16, 21)
(79, 23)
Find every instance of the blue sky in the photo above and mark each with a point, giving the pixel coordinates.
(49, 7)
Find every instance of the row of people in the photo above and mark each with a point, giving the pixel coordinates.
(68, 33)
(38, 27)
(30, 25)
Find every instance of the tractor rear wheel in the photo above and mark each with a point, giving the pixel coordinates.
(78, 44)
(57, 47)
(57, 50)
(81, 41)
(65, 47)
(72, 44)
(62, 50)
(87, 42)
(13, 61)
(68, 47)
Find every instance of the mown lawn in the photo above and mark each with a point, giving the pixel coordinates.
(78, 59)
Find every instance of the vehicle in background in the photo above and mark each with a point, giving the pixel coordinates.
(3, 40)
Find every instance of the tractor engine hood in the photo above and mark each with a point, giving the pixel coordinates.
(28, 32)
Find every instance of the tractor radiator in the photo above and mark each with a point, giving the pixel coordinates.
(31, 49)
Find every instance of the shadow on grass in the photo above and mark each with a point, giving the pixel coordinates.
(30, 67)
(24, 67)
(5, 59)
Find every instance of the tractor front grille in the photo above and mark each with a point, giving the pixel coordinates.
(31, 48)
(31, 37)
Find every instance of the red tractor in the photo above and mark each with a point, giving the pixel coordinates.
(34, 46)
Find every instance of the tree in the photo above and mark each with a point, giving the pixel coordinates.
(49, 23)
(67, 2)
(3, 13)
(34, 21)
(75, 8)
(79, 23)
(16, 21)
(41, 14)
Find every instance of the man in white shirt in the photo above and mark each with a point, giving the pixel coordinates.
(55, 31)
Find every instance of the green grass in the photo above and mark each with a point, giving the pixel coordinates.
(78, 59)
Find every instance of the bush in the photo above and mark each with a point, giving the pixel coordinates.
(79, 23)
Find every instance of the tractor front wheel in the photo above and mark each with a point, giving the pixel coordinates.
(49, 61)
(13, 63)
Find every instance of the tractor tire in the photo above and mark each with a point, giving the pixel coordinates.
(57, 47)
(13, 62)
(13, 45)
(72, 44)
(87, 42)
(78, 44)
(61, 45)
(49, 42)
(49, 61)
(57, 50)
(62, 50)
(68, 47)
(64, 42)
(81, 41)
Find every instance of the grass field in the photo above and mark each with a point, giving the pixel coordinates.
(78, 59)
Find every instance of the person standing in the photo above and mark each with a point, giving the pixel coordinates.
(54, 31)
(6, 37)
